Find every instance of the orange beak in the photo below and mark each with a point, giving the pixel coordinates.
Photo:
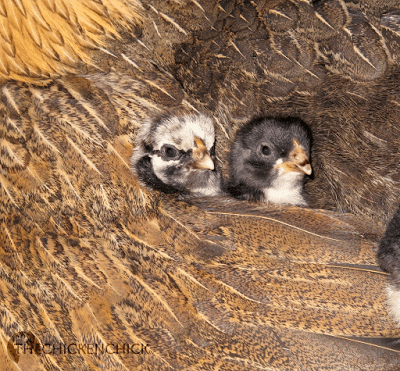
(298, 160)
(201, 156)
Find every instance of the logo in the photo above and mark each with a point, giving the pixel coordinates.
(25, 342)
(25, 339)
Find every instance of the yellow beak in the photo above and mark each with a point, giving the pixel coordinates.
(201, 156)
(298, 160)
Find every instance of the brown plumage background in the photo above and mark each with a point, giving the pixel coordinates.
(88, 256)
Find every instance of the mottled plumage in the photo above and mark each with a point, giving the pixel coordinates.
(268, 161)
(176, 154)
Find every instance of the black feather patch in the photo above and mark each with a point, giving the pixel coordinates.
(244, 192)
(389, 247)
(146, 174)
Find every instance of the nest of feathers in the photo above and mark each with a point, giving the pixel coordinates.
(90, 254)
(241, 61)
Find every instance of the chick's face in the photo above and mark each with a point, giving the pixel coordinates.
(181, 154)
(183, 145)
(266, 150)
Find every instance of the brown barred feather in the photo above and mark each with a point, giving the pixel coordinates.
(89, 257)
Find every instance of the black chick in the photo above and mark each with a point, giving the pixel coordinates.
(176, 155)
(389, 260)
(268, 161)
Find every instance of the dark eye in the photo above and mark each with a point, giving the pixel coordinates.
(265, 150)
(169, 152)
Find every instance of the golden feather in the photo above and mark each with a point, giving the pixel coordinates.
(49, 38)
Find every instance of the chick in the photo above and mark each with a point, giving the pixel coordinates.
(268, 161)
(176, 155)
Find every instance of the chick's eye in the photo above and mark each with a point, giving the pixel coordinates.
(169, 152)
(265, 150)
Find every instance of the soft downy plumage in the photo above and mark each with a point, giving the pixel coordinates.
(268, 161)
(176, 154)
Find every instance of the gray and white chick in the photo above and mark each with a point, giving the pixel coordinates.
(175, 154)
(268, 161)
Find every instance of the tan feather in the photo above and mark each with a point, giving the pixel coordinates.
(90, 257)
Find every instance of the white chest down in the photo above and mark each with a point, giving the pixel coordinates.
(286, 189)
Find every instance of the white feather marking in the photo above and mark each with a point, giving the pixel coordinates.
(277, 12)
(85, 158)
(10, 99)
(323, 20)
(198, 5)
(286, 188)
(131, 62)
(159, 166)
(84, 104)
(3, 184)
(141, 43)
(151, 83)
(156, 28)
(236, 48)
(186, 128)
(45, 140)
(393, 300)
(211, 190)
(110, 148)
(172, 21)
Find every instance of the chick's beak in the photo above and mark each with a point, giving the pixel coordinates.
(201, 156)
(298, 160)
